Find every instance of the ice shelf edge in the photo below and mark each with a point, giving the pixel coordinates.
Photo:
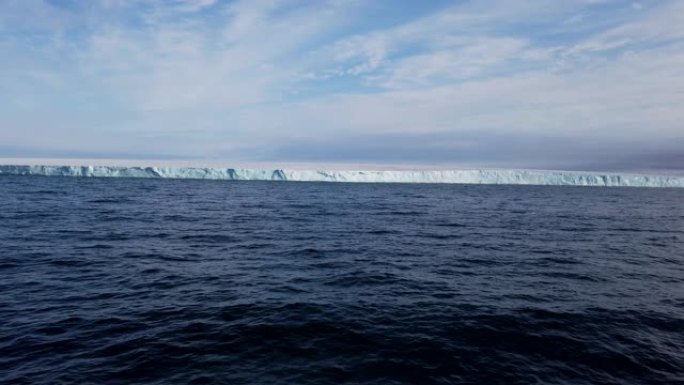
(484, 176)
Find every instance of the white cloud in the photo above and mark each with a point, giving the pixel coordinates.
(196, 5)
(208, 77)
(474, 57)
(664, 24)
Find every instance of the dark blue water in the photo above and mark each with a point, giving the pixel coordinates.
(106, 281)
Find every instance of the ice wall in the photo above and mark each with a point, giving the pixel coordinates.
(526, 177)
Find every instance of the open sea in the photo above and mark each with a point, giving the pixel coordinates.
(143, 281)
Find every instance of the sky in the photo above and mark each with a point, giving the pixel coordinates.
(584, 84)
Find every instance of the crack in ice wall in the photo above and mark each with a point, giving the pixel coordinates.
(525, 177)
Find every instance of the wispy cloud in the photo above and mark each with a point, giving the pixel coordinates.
(250, 80)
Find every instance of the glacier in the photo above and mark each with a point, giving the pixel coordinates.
(483, 176)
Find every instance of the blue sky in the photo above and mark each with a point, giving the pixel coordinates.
(586, 84)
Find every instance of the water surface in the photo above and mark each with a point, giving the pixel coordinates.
(212, 282)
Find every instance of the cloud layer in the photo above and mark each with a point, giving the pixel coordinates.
(496, 83)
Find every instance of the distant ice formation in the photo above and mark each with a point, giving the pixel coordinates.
(524, 177)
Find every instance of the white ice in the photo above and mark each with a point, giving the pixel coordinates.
(524, 177)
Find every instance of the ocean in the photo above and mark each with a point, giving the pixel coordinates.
(153, 281)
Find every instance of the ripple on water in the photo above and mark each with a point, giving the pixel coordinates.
(205, 282)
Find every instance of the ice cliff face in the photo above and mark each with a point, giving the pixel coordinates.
(526, 177)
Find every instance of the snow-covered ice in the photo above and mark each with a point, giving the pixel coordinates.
(525, 177)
